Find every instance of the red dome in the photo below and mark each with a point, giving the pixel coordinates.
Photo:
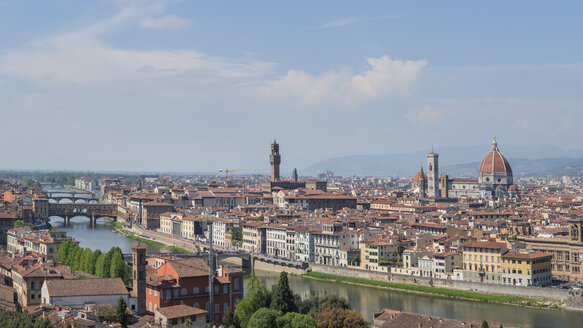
(512, 189)
(495, 162)
(417, 179)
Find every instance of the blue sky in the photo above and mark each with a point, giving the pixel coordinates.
(202, 85)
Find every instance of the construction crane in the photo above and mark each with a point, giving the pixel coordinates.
(228, 171)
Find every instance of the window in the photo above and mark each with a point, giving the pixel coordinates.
(183, 291)
(168, 294)
(225, 289)
(150, 291)
(236, 284)
(225, 307)
(176, 293)
(217, 308)
(196, 305)
(195, 290)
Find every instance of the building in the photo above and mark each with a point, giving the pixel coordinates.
(77, 293)
(304, 244)
(186, 281)
(276, 182)
(7, 221)
(28, 278)
(331, 245)
(43, 242)
(151, 212)
(495, 179)
(275, 241)
(254, 237)
(40, 208)
(567, 252)
(482, 261)
(180, 316)
(139, 277)
(526, 268)
(313, 199)
(377, 251)
(220, 227)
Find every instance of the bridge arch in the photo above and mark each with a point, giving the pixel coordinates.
(81, 201)
(65, 201)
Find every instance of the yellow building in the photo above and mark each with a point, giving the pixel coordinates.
(482, 261)
(377, 250)
(526, 268)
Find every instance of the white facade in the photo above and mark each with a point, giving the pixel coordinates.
(275, 242)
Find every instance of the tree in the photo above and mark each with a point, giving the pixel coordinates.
(117, 268)
(99, 265)
(333, 302)
(106, 265)
(339, 318)
(20, 223)
(121, 314)
(64, 251)
(295, 320)
(86, 260)
(93, 262)
(230, 320)
(282, 298)
(77, 262)
(485, 324)
(264, 318)
(255, 299)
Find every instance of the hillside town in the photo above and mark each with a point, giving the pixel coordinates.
(495, 230)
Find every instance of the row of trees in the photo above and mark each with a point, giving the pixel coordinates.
(281, 308)
(104, 265)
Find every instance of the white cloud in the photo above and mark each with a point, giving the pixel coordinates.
(428, 114)
(81, 57)
(164, 22)
(384, 77)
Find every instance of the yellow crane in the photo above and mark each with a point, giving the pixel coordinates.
(228, 171)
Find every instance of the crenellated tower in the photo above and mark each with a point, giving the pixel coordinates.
(275, 160)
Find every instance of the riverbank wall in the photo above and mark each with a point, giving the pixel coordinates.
(260, 265)
(572, 299)
(168, 240)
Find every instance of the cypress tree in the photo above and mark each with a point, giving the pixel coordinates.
(106, 265)
(99, 265)
(117, 268)
(283, 299)
(121, 314)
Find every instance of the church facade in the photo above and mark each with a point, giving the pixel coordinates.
(495, 179)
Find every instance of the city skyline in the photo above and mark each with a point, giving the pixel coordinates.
(181, 86)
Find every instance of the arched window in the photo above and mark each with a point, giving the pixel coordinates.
(196, 305)
(183, 291)
(195, 290)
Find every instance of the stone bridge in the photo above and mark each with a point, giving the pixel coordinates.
(245, 258)
(90, 210)
(74, 197)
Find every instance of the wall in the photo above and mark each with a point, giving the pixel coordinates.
(541, 293)
(260, 265)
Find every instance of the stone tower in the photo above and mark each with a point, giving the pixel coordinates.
(139, 276)
(295, 175)
(433, 175)
(275, 160)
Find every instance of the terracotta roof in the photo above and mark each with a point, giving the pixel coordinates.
(526, 255)
(86, 287)
(179, 311)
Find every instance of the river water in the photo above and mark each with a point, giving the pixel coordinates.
(367, 300)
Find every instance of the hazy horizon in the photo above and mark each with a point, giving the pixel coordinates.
(182, 86)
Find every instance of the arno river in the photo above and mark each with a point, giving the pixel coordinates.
(366, 300)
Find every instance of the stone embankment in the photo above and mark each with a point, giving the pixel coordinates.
(571, 299)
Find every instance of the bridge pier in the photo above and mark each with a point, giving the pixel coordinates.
(92, 220)
(66, 220)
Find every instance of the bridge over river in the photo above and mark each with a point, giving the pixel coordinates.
(90, 210)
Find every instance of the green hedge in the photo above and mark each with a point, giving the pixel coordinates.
(428, 289)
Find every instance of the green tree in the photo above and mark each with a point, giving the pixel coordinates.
(99, 265)
(64, 251)
(20, 223)
(295, 320)
(282, 299)
(230, 320)
(93, 262)
(121, 314)
(77, 262)
(86, 260)
(264, 318)
(333, 302)
(255, 299)
(106, 267)
(117, 268)
(72, 255)
(485, 324)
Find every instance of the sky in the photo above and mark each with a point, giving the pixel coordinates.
(204, 85)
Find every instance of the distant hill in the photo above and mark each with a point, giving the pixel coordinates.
(456, 161)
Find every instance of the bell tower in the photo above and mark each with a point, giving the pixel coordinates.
(275, 160)
(433, 175)
(139, 276)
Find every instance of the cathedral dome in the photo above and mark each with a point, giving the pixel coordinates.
(420, 177)
(512, 189)
(494, 162)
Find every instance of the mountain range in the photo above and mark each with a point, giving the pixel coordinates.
(457, 161)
